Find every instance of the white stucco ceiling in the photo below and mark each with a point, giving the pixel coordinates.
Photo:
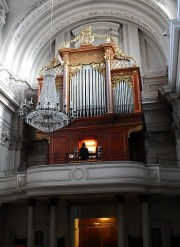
(26, 38)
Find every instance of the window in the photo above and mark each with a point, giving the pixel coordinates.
(156, 237)
(39, 238)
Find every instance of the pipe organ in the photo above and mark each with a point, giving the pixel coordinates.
(101, 84)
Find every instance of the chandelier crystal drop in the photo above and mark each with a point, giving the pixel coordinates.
(47, 116)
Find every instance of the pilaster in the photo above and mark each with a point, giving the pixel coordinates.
(53, 223)
(120, 220)
(134, 48)
(145, 221)
(31, 216)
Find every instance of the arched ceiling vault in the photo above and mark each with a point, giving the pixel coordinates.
(30, 36)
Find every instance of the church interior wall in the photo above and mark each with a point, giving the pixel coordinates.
(25, 50)
(163, 214)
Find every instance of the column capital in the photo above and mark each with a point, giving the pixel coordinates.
(120, 198)
(31, 202)
(53, 201)
(144, 198)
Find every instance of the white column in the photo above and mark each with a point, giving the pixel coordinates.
(60, 39)
(53, 231)
(30, 233)
(120, 221)
(145, 221)
(178, 10)
(134, 47)
(125, 39)
(75, 213)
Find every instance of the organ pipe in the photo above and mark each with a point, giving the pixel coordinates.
(123, 98)
(87, 92)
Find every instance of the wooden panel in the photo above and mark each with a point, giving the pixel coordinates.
(86, 53)
(137, 92)
(110, 132)
(58, 150)
(118, 148)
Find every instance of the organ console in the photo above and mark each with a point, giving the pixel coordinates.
(102, 85)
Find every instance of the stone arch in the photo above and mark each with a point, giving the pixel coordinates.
(30, 36)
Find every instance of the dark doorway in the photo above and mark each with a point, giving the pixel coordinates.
(175, 241)
(137, 146)
(135, 242)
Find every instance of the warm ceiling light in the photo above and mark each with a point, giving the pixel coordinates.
(104, 219)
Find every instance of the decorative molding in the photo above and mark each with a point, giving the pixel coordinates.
(111, 177)
(79, 174)
(37, 5)
(100, 67)
(121, 55)
(31, 9)
(2, 17)
(86, 15)
(8, 138)
(76, 18)
(155, 6)
(4, 6)
(162, 2)
(4, 136)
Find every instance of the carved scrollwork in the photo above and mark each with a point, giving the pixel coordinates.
(74, 70)
(126, 78)
(134, 129)
(55, 65)
(43, 136)
(97, 66)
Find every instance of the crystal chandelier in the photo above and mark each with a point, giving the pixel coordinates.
(47, 116)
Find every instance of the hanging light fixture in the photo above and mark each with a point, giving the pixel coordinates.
(47, 116)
